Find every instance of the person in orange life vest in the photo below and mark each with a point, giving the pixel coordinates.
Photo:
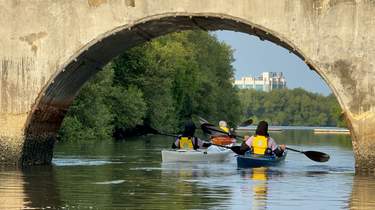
(187, 140)
(261, 143)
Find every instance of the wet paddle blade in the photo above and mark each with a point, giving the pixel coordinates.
(246, 123)
(317, 156)
(205, 128)
(236, 149)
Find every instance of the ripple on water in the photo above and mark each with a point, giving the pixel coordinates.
(80, 162)
(111, 182)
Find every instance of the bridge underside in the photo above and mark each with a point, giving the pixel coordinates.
(48, 115)
(45, 63)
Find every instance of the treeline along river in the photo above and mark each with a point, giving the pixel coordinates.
(130, 175)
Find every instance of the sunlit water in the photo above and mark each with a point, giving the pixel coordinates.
(130, 175)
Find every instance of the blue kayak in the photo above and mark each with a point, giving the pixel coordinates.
(251, 160)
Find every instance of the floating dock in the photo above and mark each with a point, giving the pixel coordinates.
(331, 131)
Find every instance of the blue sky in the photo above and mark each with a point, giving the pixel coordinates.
(253, 56)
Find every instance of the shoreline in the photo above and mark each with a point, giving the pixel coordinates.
(315, 129)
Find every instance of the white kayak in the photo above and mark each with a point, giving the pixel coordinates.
(212, 154)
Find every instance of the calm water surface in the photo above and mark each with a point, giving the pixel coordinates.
(130, 175)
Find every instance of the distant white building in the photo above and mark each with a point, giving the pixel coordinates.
(266, 82)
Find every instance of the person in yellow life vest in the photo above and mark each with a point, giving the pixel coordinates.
(223, 139)
(187, 140)
(261, 143)
(223, 126)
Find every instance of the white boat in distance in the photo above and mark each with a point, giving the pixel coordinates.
(212, 154)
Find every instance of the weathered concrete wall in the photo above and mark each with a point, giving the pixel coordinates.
(50, 48)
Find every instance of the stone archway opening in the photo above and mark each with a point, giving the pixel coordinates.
(55, 99)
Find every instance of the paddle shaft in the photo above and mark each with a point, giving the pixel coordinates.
(167, 134)
(294, 150)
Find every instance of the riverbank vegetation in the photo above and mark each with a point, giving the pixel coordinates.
(156, 85)
(291, 107)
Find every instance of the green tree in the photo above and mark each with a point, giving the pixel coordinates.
(291, 107)
(89, 118)
(128, 107)
(157, 85)
(181, 75)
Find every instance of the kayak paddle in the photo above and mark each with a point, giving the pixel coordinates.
(312, 155)
(246, 122)
(154, 131)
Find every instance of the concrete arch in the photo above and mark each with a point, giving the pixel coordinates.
(50, 50)
(55, 99)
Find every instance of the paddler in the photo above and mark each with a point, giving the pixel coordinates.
(223, 139)
(261, 143)
(187, 140)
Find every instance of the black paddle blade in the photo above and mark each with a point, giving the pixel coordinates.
(236, 149)
(317, 156)
(246, 123)
(205, 128)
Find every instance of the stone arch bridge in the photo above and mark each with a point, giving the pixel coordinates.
(49, 49)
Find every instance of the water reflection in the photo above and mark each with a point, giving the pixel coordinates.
(40, 186)
(363, 192)
(195, 186)
(257, 190)
(129, 174)
(32, 188)
(259, 176)
(12, 190)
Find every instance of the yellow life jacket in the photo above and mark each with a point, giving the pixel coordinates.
(186, 143)
(225, 129)
(259, 145)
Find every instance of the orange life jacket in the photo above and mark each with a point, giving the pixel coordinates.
(222, 140)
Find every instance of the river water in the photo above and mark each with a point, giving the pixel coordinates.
(129, 175)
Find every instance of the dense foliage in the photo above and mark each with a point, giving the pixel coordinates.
(156, 85)
(163, 82)
(291, 107)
